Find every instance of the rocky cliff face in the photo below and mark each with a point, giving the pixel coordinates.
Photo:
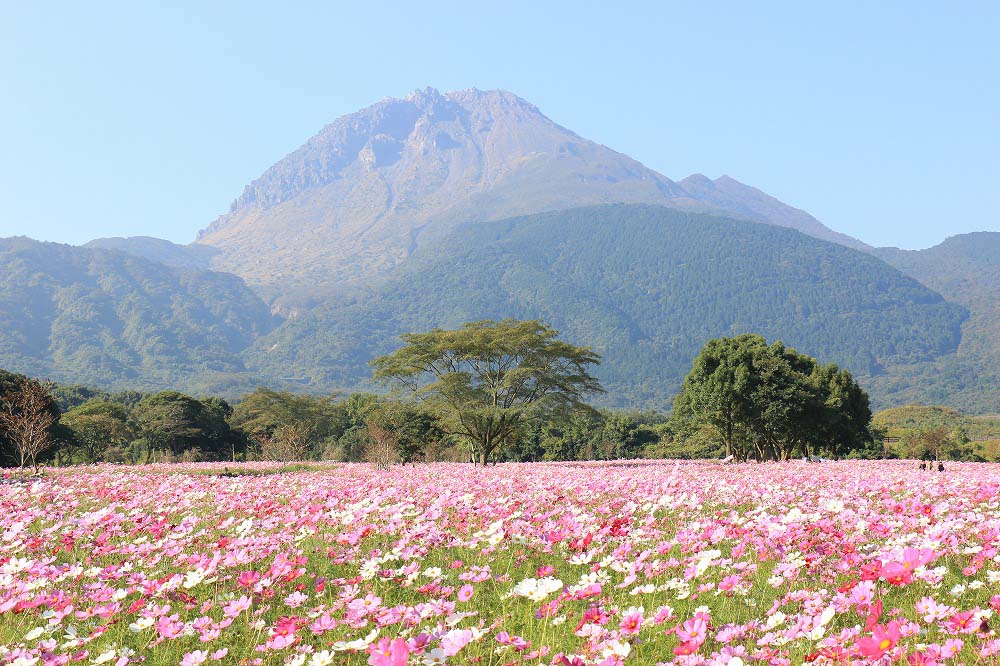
(362, 194)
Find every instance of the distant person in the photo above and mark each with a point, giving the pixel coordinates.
(923, 466)
(940, 467)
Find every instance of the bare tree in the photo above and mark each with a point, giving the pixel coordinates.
(286, 444)
(27, 419)
(382, 445)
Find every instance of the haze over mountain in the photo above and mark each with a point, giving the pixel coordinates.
(965, 269)
(362, 194)
(646, 286)
(442, 208)
(110, 319)
(159, 250)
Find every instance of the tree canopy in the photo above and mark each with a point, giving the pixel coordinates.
(769, 402)
(488, 378)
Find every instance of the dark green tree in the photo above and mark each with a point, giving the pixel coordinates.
(98, 426)
(411, 427)
(265, 410)
(218, 439)
(844, 420)
(623, 436)
(573, 437)
(69, 396)
(717, 389)
(770, 402)
(172, 423)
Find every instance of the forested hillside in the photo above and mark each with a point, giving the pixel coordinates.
(965, 269)
(115, 320)
(897, 421)
(645, 286)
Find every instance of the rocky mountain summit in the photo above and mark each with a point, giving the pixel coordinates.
(362, 194)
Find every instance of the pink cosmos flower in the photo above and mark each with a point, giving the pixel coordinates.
(194, 658)
(897, 574)
(322, 624)
(455, 640)
(952, 647)
(282, 634)
(631, 623)
(236, 606)
(962, 623)
(921, 659)
(729, 583)
(883, 639)
(662, 615)
(465, 593)
(389, 652)
(248, 578)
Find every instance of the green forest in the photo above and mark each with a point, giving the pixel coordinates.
(645, 286)
(109, 319)
(491, 392)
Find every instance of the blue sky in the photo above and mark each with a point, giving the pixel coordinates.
(148, 118)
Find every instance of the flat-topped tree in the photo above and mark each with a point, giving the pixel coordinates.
(488, 378)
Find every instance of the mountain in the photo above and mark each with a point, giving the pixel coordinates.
(646, 286)
(158, 250)
(113, 320)
(735, 199)
(441, 208)
(965, 269)
(364, 193)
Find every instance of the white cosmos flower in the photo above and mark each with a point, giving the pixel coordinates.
(141, 624)
(435, 657)
(537, 590)
(193, 578)
(24, 661)
(322, 658)
(616, 648)
(104, 657)
(775, 620)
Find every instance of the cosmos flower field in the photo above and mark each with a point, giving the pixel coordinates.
(567, 564)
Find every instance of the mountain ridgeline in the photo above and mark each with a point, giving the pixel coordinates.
(369, 189)
(113, 320)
